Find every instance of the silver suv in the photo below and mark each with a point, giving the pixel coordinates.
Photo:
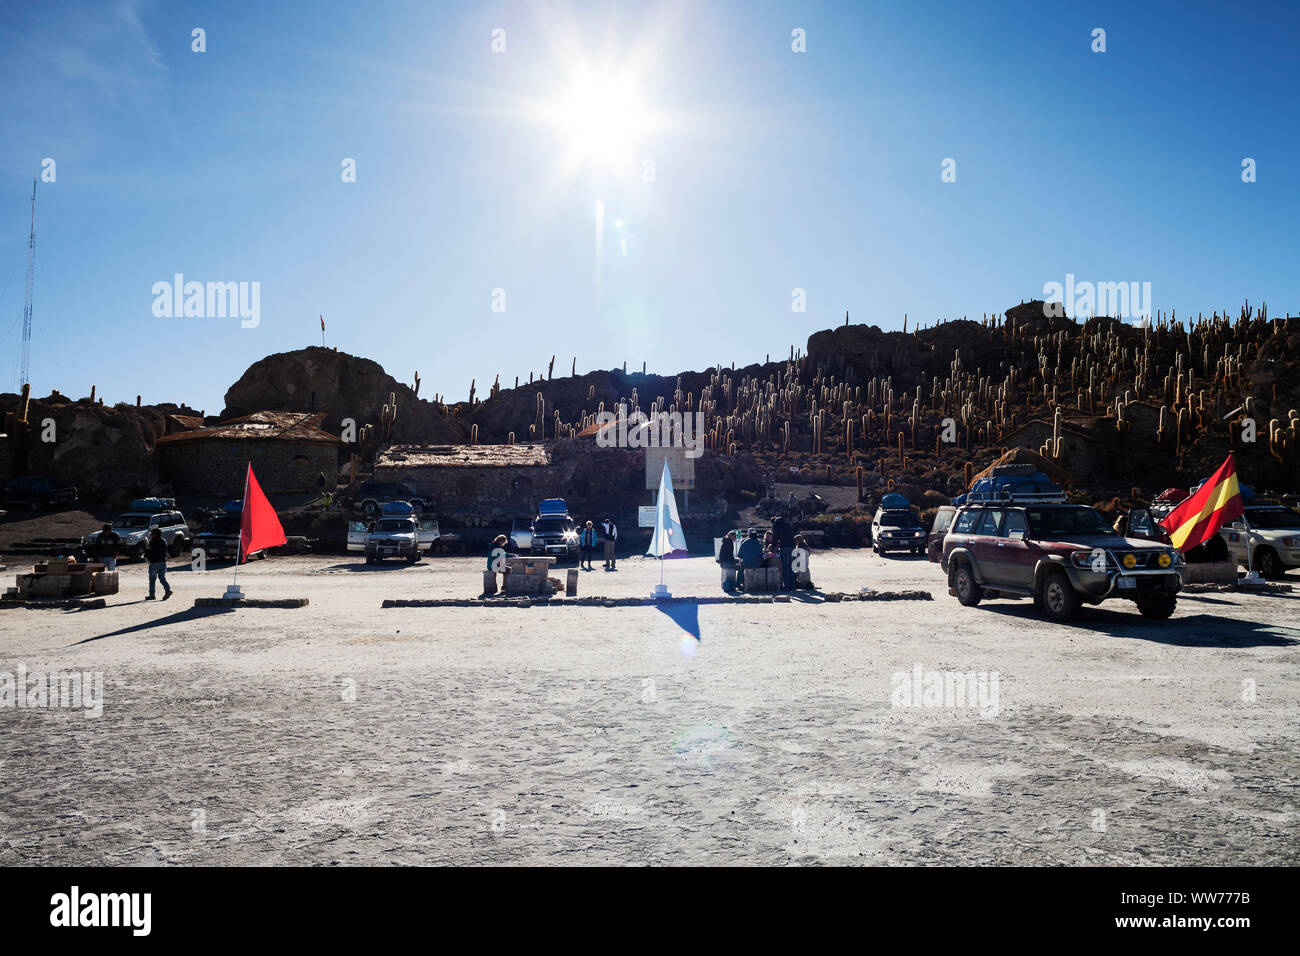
(143, 515)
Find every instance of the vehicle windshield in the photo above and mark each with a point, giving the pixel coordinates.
(552, 525)
(131, 521)
(899, 519)
(1053, 523)
(1273, 519)
(398, 525)
(222, 524)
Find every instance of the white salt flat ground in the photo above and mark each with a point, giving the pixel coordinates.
(760, 734)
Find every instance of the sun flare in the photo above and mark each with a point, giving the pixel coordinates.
(601, 119)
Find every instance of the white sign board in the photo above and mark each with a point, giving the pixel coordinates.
(645, 516)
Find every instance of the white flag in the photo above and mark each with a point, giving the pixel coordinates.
(668, 535)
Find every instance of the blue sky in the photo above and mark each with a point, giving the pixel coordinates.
(476, 171)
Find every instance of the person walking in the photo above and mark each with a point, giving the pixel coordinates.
(107, 545)
(785, 545)
(156, 552)
(609, 532)
(587, 540)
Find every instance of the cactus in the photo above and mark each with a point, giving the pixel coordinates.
(473, 435)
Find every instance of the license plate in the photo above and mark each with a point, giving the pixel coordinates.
(1127, 583)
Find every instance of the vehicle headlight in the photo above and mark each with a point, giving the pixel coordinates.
(1130, 561)
(1082, 559)
(1165, 559)
(1291, 542)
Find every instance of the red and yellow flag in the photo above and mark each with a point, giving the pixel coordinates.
(1198, 518)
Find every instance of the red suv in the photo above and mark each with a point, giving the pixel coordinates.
(1059, 554)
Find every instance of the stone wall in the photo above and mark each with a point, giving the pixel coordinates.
(217, 466)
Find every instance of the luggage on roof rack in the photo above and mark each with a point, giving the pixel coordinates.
(152, 504)
(895, 502)
(1023, 488)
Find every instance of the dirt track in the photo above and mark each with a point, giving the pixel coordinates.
(346, 733)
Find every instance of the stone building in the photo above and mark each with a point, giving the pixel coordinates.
(289, 451)
(482, 480)
(1084, 452)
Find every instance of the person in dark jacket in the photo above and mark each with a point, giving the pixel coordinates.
(107, 545)
(751, 551)
(727, 559)
(785, 544)
(609, 532)
(156, 552)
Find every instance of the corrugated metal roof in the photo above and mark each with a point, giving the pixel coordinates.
(278, 426)
(464, 456)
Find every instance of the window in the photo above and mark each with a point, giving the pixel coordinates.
(965, 522)
(989, 523)
(942, 520)
(1015, 522)
(1139, 522)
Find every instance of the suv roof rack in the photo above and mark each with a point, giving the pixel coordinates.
(1015, 488)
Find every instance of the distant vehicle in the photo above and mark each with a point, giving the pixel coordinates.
(896, 527)
(371, 496)
(1025, 539)
(38, 492)
(1266, 539)
(554, 531)
(390, 536)
(934, 541)
(521, 534)
(141, 517)
(219, 538)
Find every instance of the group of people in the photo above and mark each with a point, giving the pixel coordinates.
(777, 548)
(108, 543)
(605, 535)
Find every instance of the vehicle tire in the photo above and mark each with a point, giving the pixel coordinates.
(1156, 605)
(369, 508)
(413, 558)
(34, 504)
(369, 560)
(968, 590)
(1057, 598)
(174, 546)
(1267, 564)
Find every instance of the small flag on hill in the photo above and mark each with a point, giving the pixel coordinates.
(259, 525)
(322, 323)
(1198, 518)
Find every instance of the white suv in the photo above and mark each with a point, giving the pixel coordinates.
(1271, 532)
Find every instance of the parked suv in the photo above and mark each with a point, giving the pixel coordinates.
(897, 529)
(219, 538)
(143, 515)
(938, 531)
(554, 531)
(1266, 539)
(1059, 554)
(371, 496)
(37, 492)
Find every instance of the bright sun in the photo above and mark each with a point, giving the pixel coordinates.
(602, 120)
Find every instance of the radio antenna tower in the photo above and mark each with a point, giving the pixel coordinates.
(27, 297)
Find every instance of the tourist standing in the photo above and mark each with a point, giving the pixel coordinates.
(107, 545)
(156, 552)
(609, 532)
(587, 540)
(727, 559)
(785, 544)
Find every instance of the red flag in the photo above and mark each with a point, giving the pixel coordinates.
(259, 525)
(1199, 517)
